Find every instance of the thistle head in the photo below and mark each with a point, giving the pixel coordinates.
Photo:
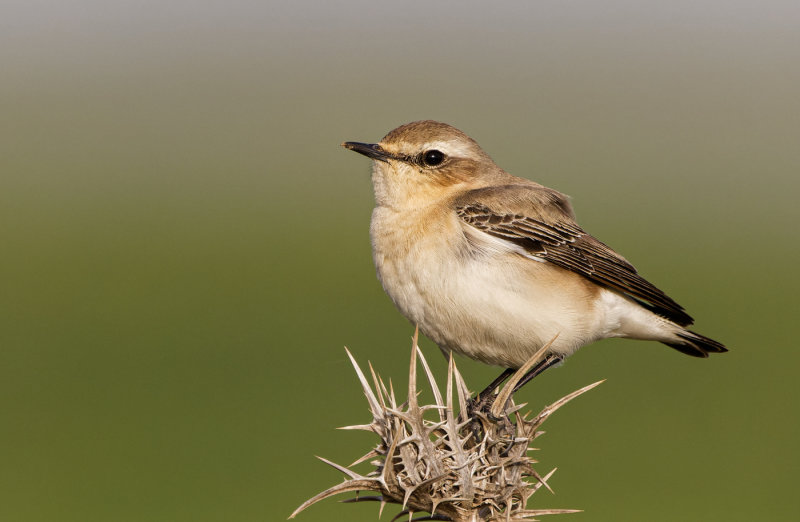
(444, 458)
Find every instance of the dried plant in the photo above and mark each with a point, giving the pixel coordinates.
(473, 466)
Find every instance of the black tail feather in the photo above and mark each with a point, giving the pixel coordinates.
(697, 345)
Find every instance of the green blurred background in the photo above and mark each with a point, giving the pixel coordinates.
(185, 245)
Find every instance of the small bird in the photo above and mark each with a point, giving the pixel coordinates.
(492, 266)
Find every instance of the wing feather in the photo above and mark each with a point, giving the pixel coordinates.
(552, 236)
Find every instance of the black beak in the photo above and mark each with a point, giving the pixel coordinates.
(370, 150)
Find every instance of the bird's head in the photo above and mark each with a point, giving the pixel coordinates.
(425, 161)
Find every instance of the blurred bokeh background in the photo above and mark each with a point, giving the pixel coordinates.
(185, 245)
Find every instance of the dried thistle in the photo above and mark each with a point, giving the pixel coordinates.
(468, 467)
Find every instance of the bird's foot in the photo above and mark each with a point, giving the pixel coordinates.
(479, 417)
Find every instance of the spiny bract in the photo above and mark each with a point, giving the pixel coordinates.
(455, 467)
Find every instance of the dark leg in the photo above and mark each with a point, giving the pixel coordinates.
(550, 360)
(541, 366)
(482, 401)
(508, 372)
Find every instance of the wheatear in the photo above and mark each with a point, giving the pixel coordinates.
(493, 266)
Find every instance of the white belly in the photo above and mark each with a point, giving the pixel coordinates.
(497, 307)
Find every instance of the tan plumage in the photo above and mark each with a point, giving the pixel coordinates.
(493, 266)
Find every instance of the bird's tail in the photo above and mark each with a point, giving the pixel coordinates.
(696, 345)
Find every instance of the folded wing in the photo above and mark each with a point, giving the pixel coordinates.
(540, 222)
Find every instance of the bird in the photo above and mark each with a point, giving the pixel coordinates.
(493, 267)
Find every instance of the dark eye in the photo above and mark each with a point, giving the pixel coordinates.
(433, 157)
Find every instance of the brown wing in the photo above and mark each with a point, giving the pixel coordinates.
(563, 243)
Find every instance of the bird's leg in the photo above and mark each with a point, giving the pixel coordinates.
(481, 401)
(478, 407)
(547, 362)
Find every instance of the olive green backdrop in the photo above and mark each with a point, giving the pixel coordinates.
(185, 246)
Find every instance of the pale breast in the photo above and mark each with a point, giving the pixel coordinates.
(413, 251)
(487, 302)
